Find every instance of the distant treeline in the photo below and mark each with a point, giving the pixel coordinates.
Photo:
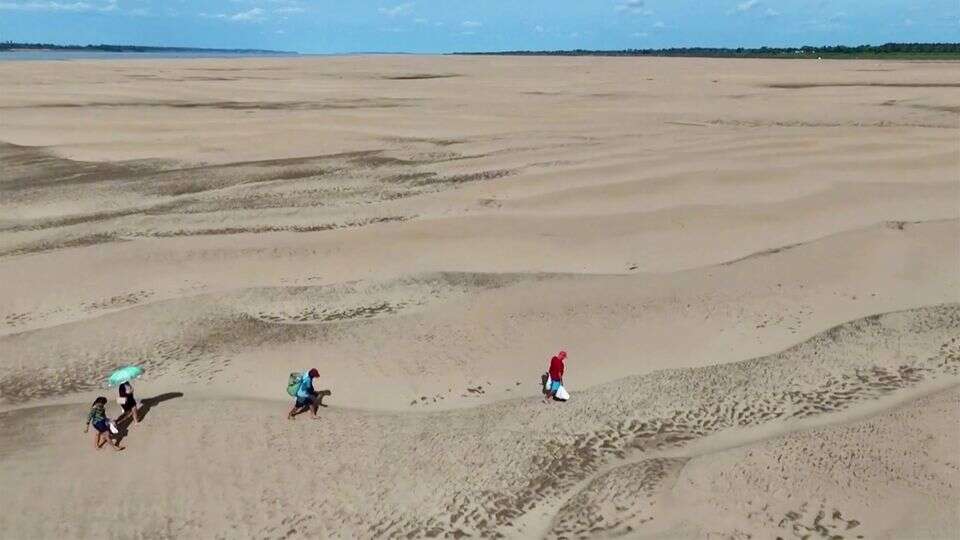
(12, 45)
(905, 50)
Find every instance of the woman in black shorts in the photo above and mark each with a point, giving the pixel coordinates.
(128, 403)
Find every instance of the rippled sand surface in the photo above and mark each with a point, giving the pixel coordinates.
(753, 264)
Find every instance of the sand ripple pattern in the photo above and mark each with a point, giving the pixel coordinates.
(597, 466)
(730, 396)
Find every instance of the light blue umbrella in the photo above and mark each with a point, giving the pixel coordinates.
(124, 374)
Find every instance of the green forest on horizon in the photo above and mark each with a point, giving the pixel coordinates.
(885, 51)
(907, 51)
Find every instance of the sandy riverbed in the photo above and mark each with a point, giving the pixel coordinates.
(754, 265)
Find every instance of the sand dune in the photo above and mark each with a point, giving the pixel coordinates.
(755, 269)
(619, 324)
(493, 469)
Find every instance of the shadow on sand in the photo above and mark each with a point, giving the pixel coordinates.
(145, 406)
(149, 403)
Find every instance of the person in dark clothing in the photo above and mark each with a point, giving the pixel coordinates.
(557, 367)
(128, 403)
(98, 419)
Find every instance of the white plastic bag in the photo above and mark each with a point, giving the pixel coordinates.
(562, 394)
(546, 386)
(113, 427)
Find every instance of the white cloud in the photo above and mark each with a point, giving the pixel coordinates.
(639, 34)
(399, 9)
(471, 24)
(659, 24)
(770, 12)
(538, 29)
(633, 7)
(251, 15)
(746, 5)
(285, 10)
(421, 20)
(58, 6)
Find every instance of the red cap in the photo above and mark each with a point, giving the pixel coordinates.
(562, 354)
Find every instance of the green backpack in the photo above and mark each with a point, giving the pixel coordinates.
(293, 383)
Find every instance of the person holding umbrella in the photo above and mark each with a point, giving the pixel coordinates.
(127, 402)
(125, 399)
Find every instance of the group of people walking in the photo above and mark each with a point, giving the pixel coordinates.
(302, 386)
(105, 429)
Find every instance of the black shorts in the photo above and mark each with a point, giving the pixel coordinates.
(304, 402)
(128, 405)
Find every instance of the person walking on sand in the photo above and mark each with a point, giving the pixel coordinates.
(98, 418)
(127, 402)
(308, 397)
(556, 375)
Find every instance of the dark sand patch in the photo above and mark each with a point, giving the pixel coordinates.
(862, 84)
(420, 76)
(52, 244)
(955, 109)
(382, 103)
(27, 167)
(938, 108)
(425, 140)
(464, 178)
(542, 93)
(278, 228)
(849, 124)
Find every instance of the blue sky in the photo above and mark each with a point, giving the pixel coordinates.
(336, 26)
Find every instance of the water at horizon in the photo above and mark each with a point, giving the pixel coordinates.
(104, 55)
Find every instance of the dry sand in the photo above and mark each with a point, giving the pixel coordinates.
(754, 265)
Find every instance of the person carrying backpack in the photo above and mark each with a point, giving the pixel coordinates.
(306, 394)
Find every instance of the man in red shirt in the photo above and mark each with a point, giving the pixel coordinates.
(556, 375)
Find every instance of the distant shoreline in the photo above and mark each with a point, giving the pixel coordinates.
(10, 46)
(887, 51)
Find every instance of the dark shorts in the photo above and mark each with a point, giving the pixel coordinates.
(101, 426)
(305, 402)
(128, 405)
